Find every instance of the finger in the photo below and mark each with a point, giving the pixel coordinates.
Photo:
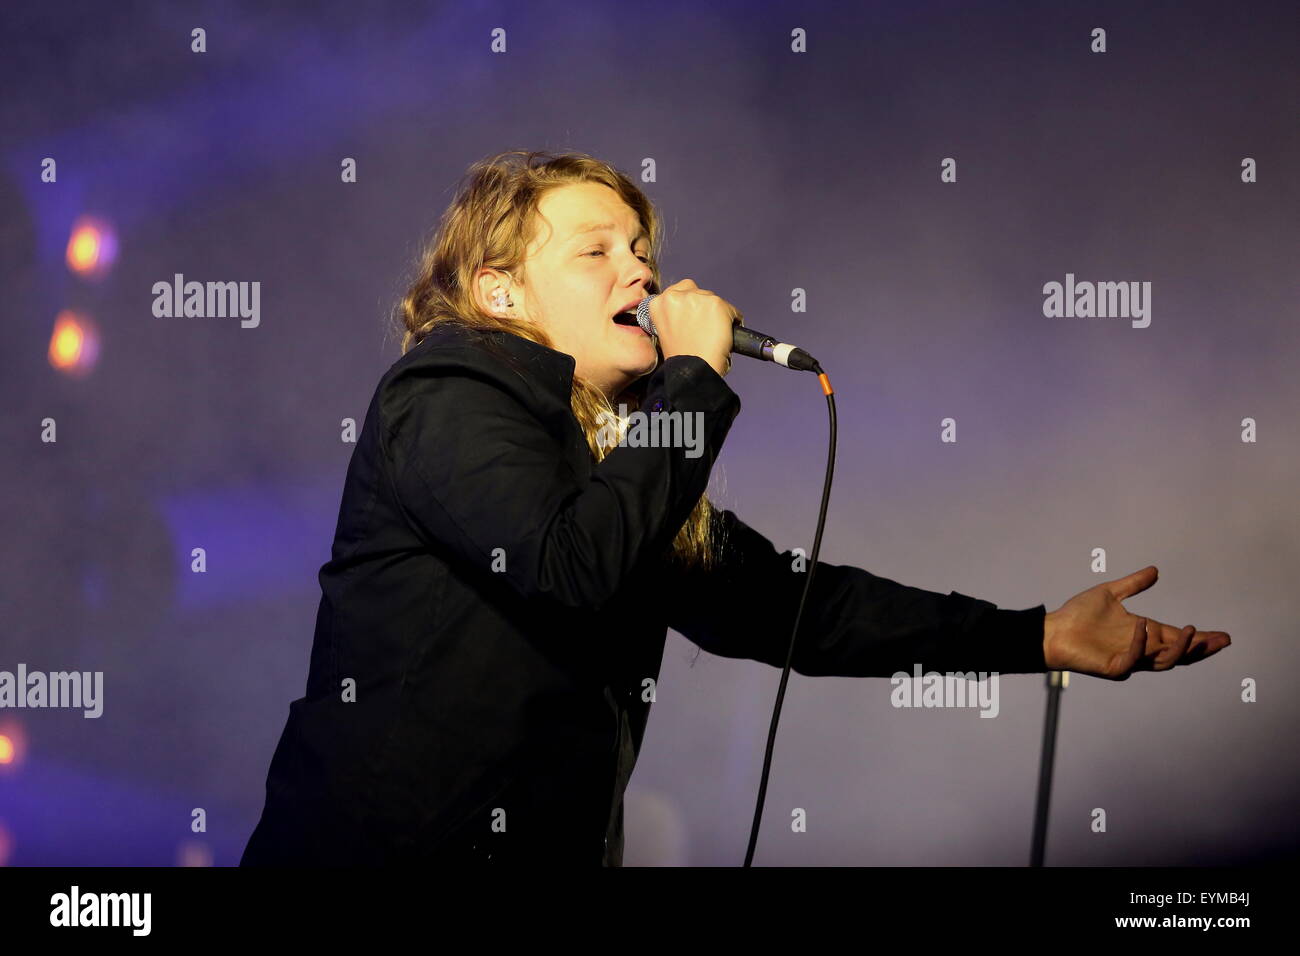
(1134, 583)
(1218, 641)
(1175, 645)
(1203, 644)
(1197, 649)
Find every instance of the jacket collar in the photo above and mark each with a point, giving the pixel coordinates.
(548, 369)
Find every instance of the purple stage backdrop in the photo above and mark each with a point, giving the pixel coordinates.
(893, 186)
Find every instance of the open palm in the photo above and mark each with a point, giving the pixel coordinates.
(1093, 634)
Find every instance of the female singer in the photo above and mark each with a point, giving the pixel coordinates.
(494, 612)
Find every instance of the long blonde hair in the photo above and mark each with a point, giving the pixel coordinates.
(489, 224)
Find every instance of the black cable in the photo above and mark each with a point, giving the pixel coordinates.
(794, 634)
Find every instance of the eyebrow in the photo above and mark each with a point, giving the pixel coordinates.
(604, 227)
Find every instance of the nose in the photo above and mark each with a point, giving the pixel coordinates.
(642, 273)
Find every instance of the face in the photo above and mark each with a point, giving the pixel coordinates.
(586, 263)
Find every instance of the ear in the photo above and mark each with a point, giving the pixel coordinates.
(486, 283)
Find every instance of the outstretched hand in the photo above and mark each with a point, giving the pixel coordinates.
(1092, 634)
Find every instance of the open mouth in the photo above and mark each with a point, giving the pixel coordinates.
(626, 318)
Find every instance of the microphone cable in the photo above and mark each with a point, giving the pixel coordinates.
(794, 634)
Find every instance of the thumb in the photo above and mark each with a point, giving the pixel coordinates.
(1134, 583)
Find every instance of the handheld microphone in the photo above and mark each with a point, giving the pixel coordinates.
(746, 342)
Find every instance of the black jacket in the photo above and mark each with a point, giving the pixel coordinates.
(494, 614)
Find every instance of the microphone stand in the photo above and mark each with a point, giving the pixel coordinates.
(1056, 682)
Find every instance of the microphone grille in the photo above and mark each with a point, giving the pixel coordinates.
(643, 313)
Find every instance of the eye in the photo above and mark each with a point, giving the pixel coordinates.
(601, 252)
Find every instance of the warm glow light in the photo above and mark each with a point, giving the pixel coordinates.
(92, 247)
(83, 249)
(74, 343)
(13, 746)
(67, 343)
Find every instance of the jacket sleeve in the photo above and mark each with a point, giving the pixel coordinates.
(855, 624)
(475, 470)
